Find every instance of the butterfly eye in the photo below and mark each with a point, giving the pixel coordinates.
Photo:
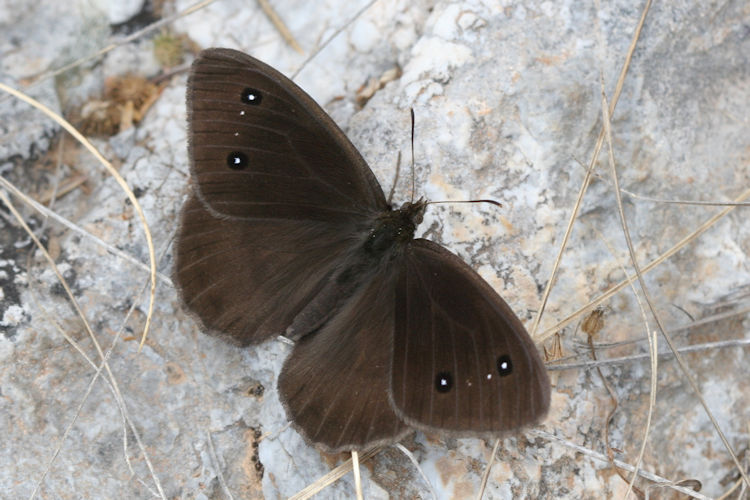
(237, 160)
(504, 365)
(251, 96)
(443, 382)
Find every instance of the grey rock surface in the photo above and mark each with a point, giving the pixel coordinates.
(507, 100)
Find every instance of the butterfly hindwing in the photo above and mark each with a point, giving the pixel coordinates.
(248, 279)
(334, 384)
(462, 361)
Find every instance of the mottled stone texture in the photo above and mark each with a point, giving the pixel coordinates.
(507, 100)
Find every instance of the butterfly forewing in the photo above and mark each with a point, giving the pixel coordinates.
(462, 361)
(262, 148)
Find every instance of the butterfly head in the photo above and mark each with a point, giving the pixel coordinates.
(413, 212)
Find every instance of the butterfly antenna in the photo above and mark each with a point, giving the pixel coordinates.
(413, 175)
(491, 202)
(395, 179)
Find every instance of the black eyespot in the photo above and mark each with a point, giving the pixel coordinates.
(251, 96)
(504, 365)
(443, 382)
(237, 160)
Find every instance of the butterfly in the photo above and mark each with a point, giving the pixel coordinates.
(287, 231)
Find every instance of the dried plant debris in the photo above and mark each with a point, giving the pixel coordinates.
(125, 102)
(594, 322)
(169, 49)
(368, 89)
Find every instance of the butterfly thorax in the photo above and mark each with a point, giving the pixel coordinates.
(394, 228)
(388, 233)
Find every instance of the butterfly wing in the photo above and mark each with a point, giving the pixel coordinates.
(260, 236)
(260, 147)
(334, 384)
(247, 280)
(462, 361)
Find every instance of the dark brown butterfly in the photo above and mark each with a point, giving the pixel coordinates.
(288, 232)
